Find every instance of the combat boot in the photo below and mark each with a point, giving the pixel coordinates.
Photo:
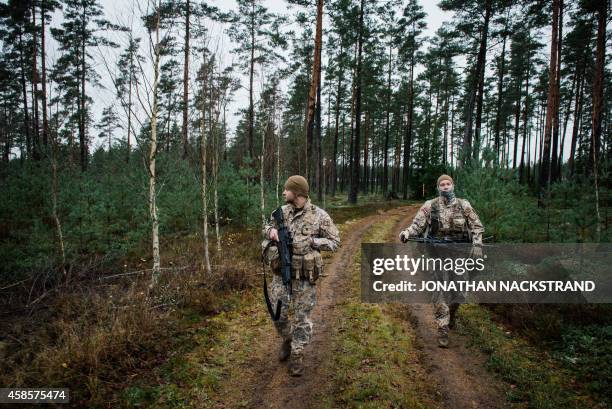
(296, 366)
(443, 337)
(285, 350)
(452, 323)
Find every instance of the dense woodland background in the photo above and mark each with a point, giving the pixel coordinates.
(339, 102)
(510, 97)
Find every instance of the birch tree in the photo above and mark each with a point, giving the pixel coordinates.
(153, 152)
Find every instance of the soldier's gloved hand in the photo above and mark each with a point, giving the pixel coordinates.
(273, 234)
(476, 251)
(403, 237)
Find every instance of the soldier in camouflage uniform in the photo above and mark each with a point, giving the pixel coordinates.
(451, 218)
(313, 231)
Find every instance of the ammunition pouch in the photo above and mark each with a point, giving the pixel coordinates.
(318, 267)
(301, 247)
(271, 256)
(303, 267)
(296, 266)
(309, 267)
(458, 223)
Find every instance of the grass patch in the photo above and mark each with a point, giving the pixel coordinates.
(374, 363)
(208, 357)
(116, 346)
(341, 210)
(214, 356)
(537, 380)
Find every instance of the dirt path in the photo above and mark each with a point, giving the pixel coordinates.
(261, 381)
(277, 389)
(459, 372)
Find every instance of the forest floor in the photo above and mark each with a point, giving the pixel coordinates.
(361, 355)
(213, 345)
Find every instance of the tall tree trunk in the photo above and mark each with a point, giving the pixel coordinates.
(576, 125)
(203, 175)
(452, 131)
(37, 148)
(550, 103)
(327, 164)
(352, 123)
(129, 118)
(397, 157)
(408, 135)
(337, 118)
(555, 142)
(82, 115)
(58, 225)
(476, 89)
(262, 202)
(525, 123)
(312, 93)
(278, 151)
(356, 144)
(528, 165)
(366, 175)
(215, 169)
(434, 139)
(43, 63)
(445, 141)
(319, 163)
(397, 153)
(517, 115)
(541, 131)
(251, 74)
(385, 182)
(344, 167)
(24, 89)
(483, 58)
(565, 120)
(7, 135)
(152, 156)
(184, 130)
(500, 90)
(598, 104)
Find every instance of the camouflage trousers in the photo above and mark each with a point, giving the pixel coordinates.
(446, 303)
(443, 313)
(294, 323)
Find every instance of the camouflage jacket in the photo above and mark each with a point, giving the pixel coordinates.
(308, 222)
(455, 218)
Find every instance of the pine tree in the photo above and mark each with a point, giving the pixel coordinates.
(468, 13)
(411, 25)
(80, 31)
(550, 105)
(126, 83)
(108, 123)
(256, 31)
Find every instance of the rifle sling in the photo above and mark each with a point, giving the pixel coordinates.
(274, 315)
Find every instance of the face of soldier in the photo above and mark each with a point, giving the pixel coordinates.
(445, 186)
(289, 196)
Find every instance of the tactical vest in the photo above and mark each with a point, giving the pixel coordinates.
(434, 229)
(306, 262)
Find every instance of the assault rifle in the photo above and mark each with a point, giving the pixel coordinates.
(285, 252)
(438, 240)
(435, 240)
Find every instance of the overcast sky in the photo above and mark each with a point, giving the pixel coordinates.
(128, 12)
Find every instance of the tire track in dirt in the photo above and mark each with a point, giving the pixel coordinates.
(276, 388)
(458, 372)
